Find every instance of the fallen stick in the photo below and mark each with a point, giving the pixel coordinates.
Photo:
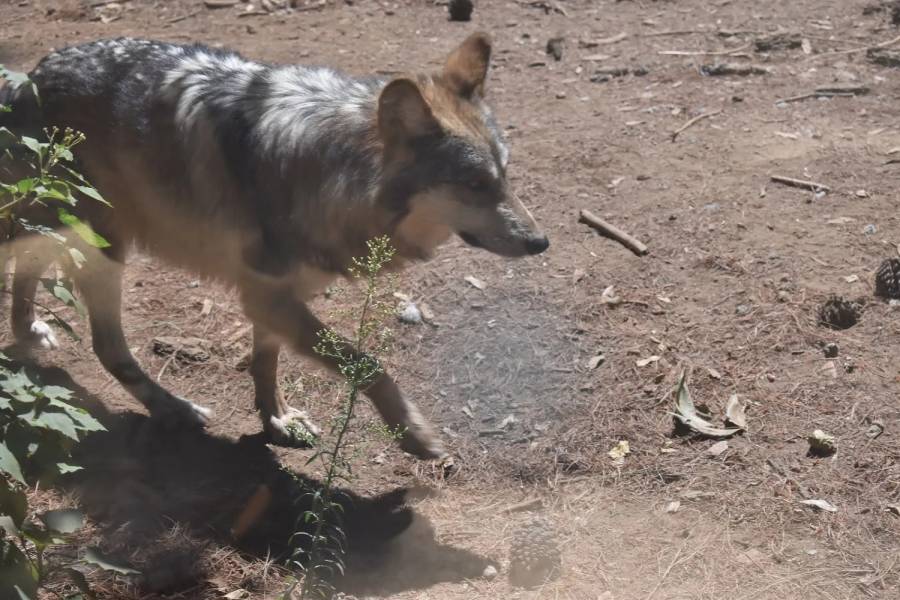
(702, 52)
(612, 232)
(180, 18)
(525, 506)
(604, 41)
(827, 93)
(676, 32)
(800, 183)
(890, 42)
(693, 121)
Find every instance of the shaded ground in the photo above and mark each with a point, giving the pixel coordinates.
(738, 267)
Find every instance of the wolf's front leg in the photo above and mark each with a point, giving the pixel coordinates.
(284, 425)
(276, 310)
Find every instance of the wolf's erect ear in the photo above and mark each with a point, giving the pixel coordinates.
(467, 66)
(403, 113)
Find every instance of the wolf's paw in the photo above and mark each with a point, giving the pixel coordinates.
(177, 413)
(41, 336)
(423, 443)
(293, 429)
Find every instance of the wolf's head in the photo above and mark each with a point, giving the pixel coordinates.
(445, 160)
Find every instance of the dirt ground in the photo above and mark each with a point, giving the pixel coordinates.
(737, 269)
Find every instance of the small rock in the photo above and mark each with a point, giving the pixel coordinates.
(830, 350)
(490, 572)
(821, 444)
(875, 430)
(784, 296)
(596, 361)
(742, 310)
(460, 10)
(555, 48)
(475, 282)
(673, 506)
(560, 95)
(409, 313)
(718, 448)
(870, 229)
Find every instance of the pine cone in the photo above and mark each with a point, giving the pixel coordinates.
(461, 10)
(838, 313)
(887, 279)
(534, 557)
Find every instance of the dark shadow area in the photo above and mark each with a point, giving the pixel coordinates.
(140, 482)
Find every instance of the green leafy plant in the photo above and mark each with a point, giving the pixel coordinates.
(320, 541)
(38, 429)
(39, 424)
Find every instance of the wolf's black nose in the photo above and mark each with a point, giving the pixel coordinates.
(536, 245)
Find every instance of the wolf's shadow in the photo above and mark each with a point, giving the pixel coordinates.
(139, 481)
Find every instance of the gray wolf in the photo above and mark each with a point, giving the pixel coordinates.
(270, 179)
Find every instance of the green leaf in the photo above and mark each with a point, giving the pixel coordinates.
(24, 186)
(14, 77)
(39, 536)
(18, 386)
(8, 525)
(18, 576)
(52, 420)
(65, 469)
(7, 138)
(65, 327)
(55, 392)
(57, 190)
(33, 145)
(83, 230)
(64, 520)
(63, 294)
(22, 595)
(10, 465)
(82, 418)
(64, 153)
(94, 557)
(13, 504)
(91, 192)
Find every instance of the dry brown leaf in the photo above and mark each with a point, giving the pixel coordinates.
(735, 412)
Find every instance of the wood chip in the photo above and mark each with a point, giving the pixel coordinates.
(475, 282)
(646, 361)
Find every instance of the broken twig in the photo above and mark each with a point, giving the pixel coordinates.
(703, 52)
(848, 92)
(693, 121)
(890, 42)
(612, 232)
(800, 183)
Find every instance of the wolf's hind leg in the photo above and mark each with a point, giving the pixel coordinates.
(31, 262)
(284, 425)
(278, 311)
(100, 283)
